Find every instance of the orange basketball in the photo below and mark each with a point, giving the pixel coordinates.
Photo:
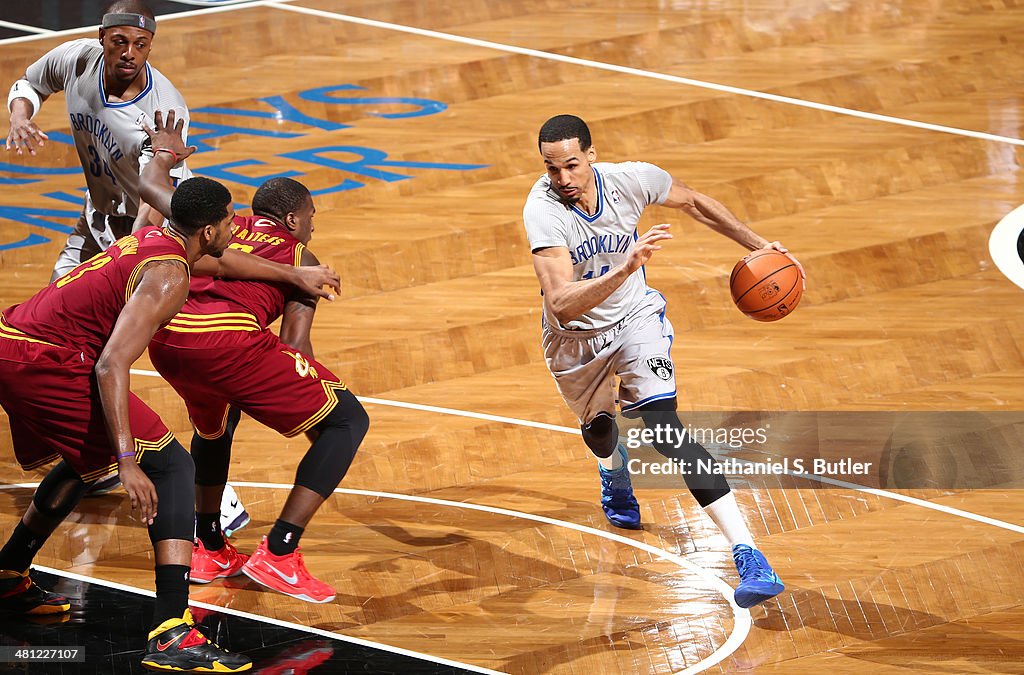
(766, 285)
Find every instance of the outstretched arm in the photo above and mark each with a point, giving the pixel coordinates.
(235, 264)
(156, 189)
(159, 295)
(155, 185)
(715, 215)
(569, 299)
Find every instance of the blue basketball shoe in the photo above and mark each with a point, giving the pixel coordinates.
(758, 581)
(617, 500)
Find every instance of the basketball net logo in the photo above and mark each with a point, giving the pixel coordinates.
(661, 367)
(1006, 246)
(770, 289)
(302, 366)
(1020, 246)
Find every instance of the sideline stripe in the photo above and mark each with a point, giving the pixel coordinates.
(569, 430)
(212, 3)
(600, 65)
(208, 9)
(436, 409)
(267, 619)
(1004, 246)
(27, 29)
(474, 415)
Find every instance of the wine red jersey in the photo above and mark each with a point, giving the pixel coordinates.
(244, 304)
(218, 350)
(79, 309)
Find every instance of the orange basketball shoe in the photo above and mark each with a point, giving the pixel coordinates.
(286, 574)
(209, 565)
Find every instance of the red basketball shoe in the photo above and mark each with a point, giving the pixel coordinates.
(286, 574)
(209, 565)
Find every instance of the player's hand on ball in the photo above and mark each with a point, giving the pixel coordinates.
(312, 278)
(646, 245)
(782, 249)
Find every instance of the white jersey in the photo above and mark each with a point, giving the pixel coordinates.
(602, 241)
(108, 136)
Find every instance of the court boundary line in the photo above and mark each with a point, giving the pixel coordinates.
(968, 515)
(601, 65)
(742, 621)
(25, 28)
(214, 3)
(205, 9)
(266, 619)
(551, 56)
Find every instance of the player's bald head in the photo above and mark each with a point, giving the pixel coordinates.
(129, 7)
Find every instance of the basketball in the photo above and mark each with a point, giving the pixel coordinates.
(766, 285)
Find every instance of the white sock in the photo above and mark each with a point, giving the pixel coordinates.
(612, 461)
(726, 514)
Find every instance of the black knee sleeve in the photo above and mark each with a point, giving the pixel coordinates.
(338, 437)
(59, 492)
(601, 435)
(212, 457)
(704, 488)
(173, 475)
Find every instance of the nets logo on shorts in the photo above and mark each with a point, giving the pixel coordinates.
(661, 367)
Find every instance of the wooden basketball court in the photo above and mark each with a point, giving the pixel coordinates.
(468, 528)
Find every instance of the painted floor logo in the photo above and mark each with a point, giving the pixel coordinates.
(1006, 246)
(349, 167)
(1020, 245)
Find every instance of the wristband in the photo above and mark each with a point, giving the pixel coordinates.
(22, 89)
(172, 153)
(123, 455)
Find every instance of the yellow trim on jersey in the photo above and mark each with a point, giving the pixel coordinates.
(208, 323)
(222, 315)
(299, 248)
(240, 321)
(212, 329)
(40, 462)
(132, 280)
(141, 447)
(207, 318)
(11, 333)
(223, 426)
(99, 473)
(330, 388)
